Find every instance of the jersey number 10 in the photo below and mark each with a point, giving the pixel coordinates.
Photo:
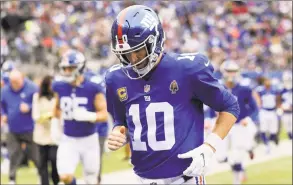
(151, 110)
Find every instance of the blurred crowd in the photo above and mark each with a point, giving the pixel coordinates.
(253, 33)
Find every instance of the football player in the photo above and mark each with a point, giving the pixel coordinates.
(286, 105)
(241, 136)
(268, 113)
(157, 98)
(102, 128)
(81, 105)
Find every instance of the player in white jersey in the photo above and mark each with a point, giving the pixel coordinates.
(286, 105)
(81, 104)
(268, 115)
(241, 138)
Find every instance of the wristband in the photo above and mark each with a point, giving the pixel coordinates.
(214, 140)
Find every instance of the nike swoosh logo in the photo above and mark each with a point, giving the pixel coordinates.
(204, 163)
(207, 64)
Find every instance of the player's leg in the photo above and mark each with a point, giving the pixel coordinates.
(102, 145)
(237, 152)
(263, 126)
(15, 155)
(53, 161)
(32, 150)
(273, 127)
(89, 149)
(67, 159)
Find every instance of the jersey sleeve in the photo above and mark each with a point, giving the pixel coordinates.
(3, 103)
(252, 103)
(206, 88)
(114, 106)
(98, 84)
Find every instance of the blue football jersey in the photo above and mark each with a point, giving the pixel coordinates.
(246, 101)
(164, 112)
(287, 105)
(71, 97)
(268, 97)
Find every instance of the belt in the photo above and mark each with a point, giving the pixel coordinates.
(269, 109)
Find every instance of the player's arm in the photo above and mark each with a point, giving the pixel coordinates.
(118, 136)
(252, 107)
(101, 108)
(3, 108)
(256, 98)
(56, 110)
(208, 90)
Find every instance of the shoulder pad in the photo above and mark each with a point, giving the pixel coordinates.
(195, 61)
(96, 79)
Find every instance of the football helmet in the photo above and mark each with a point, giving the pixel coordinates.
(230, 71)
(72, 65)
(287, 79)
(137, 31)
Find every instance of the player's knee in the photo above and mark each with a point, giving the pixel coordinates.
(90, 177)
(237, 167)
(66, 179)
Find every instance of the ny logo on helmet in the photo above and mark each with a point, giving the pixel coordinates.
(149, 21)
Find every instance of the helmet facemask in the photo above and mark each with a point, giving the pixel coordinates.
(148, 45)
(231, 76)
(75, 72)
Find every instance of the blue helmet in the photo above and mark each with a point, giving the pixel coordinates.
(231, 71)
(137, 28)
(74, 60)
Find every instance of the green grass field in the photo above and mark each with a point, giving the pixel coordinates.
(277, 171)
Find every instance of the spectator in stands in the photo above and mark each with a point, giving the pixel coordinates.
(16, 101)
(42, 111)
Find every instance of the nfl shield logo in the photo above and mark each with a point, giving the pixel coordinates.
(147, 88)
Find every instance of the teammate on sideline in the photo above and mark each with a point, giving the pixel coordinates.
(286, 105)
(81, 104)
(157, 99)
(267, 114)
(241, 137)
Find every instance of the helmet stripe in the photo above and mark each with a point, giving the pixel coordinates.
(120, 23)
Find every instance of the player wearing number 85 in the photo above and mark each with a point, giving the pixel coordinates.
(81, 104)
(157, 99)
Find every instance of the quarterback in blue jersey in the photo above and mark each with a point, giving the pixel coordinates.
(80, 104)
(156, 100)
(241, 136)
(287, 105)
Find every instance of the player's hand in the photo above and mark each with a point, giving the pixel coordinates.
(244, 122)
(24, 108)
(117, 138)
(81, 114)
(4, 120)
(201, 157)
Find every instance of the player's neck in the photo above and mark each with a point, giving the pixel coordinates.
(230, 85)
(78, 81)
(147, 77)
